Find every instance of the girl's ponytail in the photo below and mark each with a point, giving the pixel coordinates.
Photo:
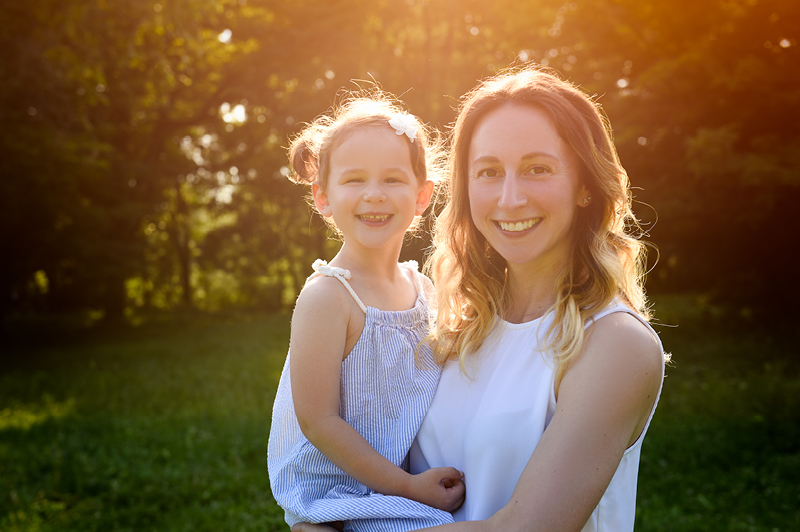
(304, 158)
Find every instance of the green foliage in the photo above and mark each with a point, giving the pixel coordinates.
(147, 142)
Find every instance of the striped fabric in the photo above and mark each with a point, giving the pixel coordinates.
(384, 396)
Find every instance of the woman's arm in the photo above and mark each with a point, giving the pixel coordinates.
(326, 322)
(604, 402)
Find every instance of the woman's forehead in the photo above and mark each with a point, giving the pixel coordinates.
(518, 132)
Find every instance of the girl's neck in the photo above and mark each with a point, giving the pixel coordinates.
(368, 263)
(377, 278)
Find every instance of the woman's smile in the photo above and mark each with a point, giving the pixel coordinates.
(516, 227)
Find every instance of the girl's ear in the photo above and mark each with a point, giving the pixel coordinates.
(424, 197)
(320, 200)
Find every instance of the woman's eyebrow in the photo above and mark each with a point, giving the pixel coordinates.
(485, 159)
(538, 155)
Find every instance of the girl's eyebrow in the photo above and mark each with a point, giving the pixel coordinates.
(352, 171)
(357, 170)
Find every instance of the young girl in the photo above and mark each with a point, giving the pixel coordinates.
(357, 383)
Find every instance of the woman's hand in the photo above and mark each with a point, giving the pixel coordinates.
(440, 487)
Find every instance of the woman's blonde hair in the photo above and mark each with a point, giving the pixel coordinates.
(310, 151)
(606, 260)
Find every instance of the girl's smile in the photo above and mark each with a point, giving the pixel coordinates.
(374, 219)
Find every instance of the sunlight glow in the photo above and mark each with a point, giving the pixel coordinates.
(225, 36)
(25, 416)
(233, 115)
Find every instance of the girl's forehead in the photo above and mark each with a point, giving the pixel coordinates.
(371, 145)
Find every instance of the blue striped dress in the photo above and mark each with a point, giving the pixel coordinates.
(385, 394)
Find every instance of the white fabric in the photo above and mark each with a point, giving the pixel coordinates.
(321, 268)
(488, 426)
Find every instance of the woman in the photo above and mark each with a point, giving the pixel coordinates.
(551, 373)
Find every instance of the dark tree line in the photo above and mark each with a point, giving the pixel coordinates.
(143, 143)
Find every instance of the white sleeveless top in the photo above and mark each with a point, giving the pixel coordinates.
(488, 426)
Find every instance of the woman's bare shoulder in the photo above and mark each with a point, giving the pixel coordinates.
(624, 336)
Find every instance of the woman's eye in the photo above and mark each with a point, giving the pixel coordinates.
(488, 172)
(538, 169)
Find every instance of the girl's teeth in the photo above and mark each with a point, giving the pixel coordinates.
(518, 226)
(374, 217)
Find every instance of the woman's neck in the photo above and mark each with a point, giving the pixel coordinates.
(531, 292)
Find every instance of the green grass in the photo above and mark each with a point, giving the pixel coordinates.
(164, 427)
(160, 428)
(723, 452)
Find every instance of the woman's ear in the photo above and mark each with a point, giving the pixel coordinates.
(424, 196)
(584, 197)
(320, 200)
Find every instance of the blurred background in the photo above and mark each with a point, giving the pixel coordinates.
(153, 247)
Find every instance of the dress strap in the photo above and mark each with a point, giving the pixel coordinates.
(321, 268)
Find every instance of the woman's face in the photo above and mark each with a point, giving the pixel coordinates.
(524, 187)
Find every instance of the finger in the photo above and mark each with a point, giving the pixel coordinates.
(460, 491)
(450, 473)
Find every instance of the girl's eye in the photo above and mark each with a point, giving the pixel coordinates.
(488, 172)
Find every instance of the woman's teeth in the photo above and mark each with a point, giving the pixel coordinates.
(518, 226)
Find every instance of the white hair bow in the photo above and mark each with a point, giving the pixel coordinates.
(404, 124)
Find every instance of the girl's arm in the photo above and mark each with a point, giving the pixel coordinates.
(604, 402)
(327, 322)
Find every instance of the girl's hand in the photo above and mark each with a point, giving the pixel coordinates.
(440, 487)
(326, 527)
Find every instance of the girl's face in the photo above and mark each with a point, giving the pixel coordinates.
(372, 194)
(524, 187)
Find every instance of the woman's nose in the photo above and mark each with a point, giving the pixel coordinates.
(512, 196)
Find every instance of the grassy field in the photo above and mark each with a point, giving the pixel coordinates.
(164, 427)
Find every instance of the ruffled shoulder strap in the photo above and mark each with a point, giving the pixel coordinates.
(321, 268)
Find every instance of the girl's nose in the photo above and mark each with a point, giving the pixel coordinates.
(374, 194)
(512, 196)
